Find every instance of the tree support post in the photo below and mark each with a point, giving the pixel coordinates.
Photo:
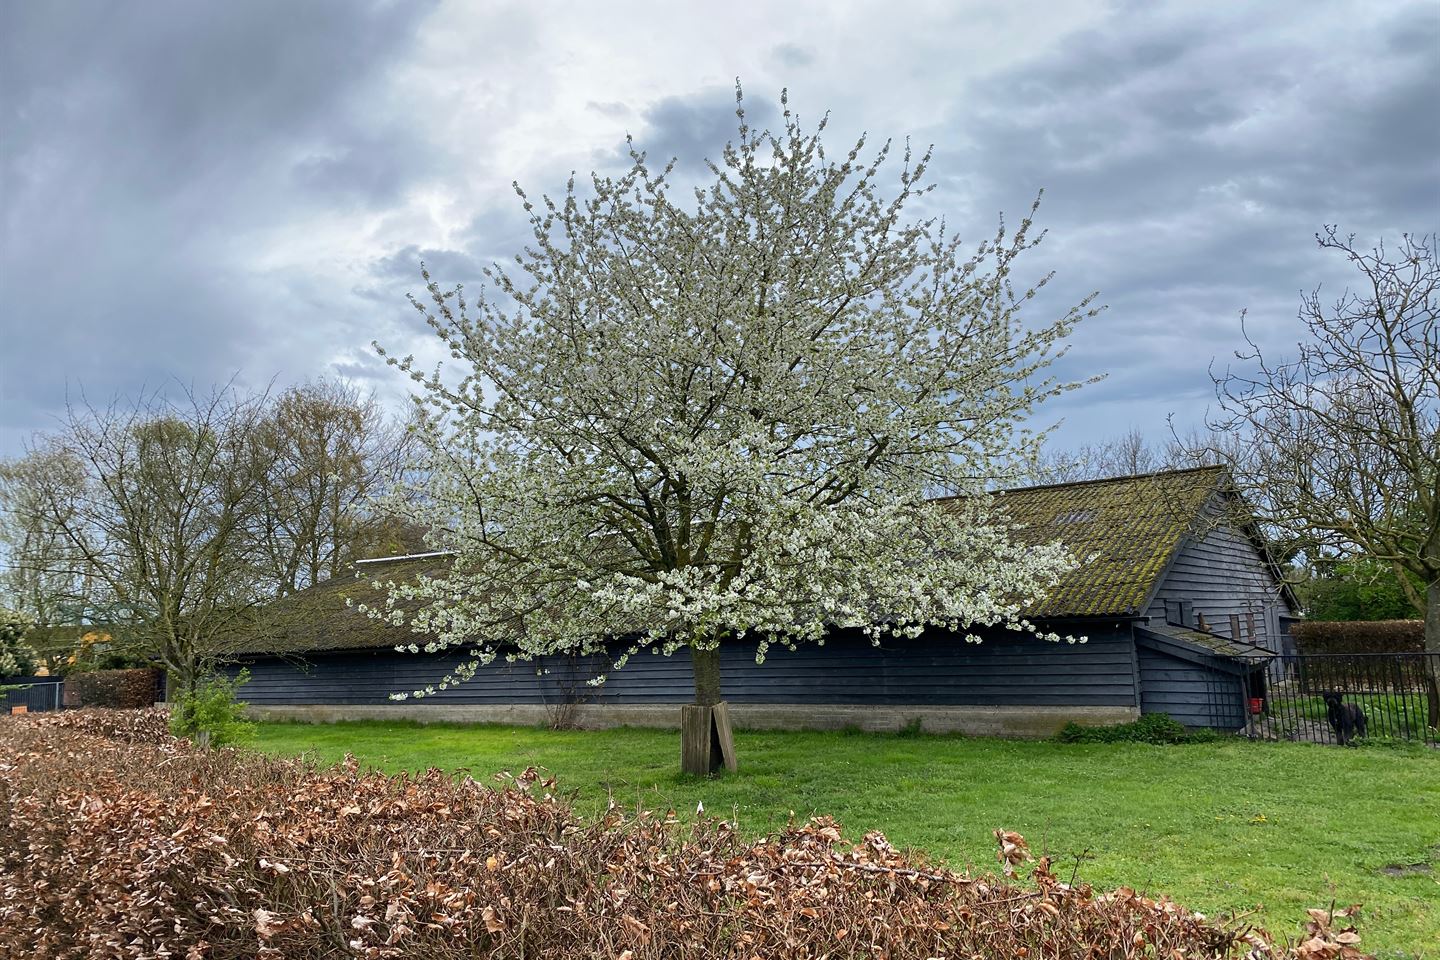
(706, 742)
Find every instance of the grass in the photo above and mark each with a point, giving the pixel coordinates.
(1389, 714)
(1222, 827)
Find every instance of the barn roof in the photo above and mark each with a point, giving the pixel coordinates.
(326, 616)
(1122, 532)
(1202, 642)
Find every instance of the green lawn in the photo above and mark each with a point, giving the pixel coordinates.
(1220, 826)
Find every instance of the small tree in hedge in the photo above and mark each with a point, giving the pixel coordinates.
(212, 707)
(16, 657)
(1357, 589)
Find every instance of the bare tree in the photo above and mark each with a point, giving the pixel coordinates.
(1132, 453)
(331, 450)
(166, 515)
(41, 577)
(1343, 441)
(1125, 455)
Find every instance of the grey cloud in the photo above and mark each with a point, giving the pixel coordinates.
(1188, 153)
(145, 99)
(495, 236)
(612, 108)
(793, 55)
(359, 168)
(446, 266)
(502, 231)
(695, 127)
(364, 364)
(143, 142)
(1187, 165)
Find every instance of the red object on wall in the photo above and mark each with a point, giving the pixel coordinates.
(1257, 705)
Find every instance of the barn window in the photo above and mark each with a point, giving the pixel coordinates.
(1076, 516)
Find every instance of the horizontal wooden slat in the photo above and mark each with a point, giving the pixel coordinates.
(1188, 692)
(1224, 575)
(937, 668)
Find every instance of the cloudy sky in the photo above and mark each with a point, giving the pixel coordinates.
(195, 190)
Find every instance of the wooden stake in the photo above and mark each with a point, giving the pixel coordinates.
(706, 741)
(722, 738)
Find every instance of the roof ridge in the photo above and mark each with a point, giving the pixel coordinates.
(407, 556)
(1095, 481)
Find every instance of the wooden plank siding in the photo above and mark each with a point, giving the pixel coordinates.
(1224, 575)
(936, 669)
(1194, 694)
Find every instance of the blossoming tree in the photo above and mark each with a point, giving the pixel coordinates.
(680, 423)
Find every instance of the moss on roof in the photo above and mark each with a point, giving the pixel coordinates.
(1122, 533)
(320, 618)
(1212, 642)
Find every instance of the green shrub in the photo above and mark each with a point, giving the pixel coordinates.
(16, 657)
(213, 707)
(913, 727)
(1358, 589)
(1150, 728)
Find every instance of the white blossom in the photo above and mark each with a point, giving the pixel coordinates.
(676, 424)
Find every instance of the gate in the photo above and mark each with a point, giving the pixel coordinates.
(35, 694)
(1391, 691)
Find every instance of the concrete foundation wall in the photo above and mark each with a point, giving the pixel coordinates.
(980, 721)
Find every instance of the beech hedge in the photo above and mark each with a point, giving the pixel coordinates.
(120, 841)
(1359, 636)
(127, 689)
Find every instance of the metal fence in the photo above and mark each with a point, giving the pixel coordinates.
(1339, 697)
(35, 694)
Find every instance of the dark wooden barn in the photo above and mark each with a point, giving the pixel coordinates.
(1174, 596)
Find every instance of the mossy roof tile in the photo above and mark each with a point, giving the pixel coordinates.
(1122, 533)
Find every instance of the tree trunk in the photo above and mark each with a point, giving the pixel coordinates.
(706, 742)
(182, 671)
(706, 664)
(1432, 651)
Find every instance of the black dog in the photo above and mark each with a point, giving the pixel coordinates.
(1346, 719)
